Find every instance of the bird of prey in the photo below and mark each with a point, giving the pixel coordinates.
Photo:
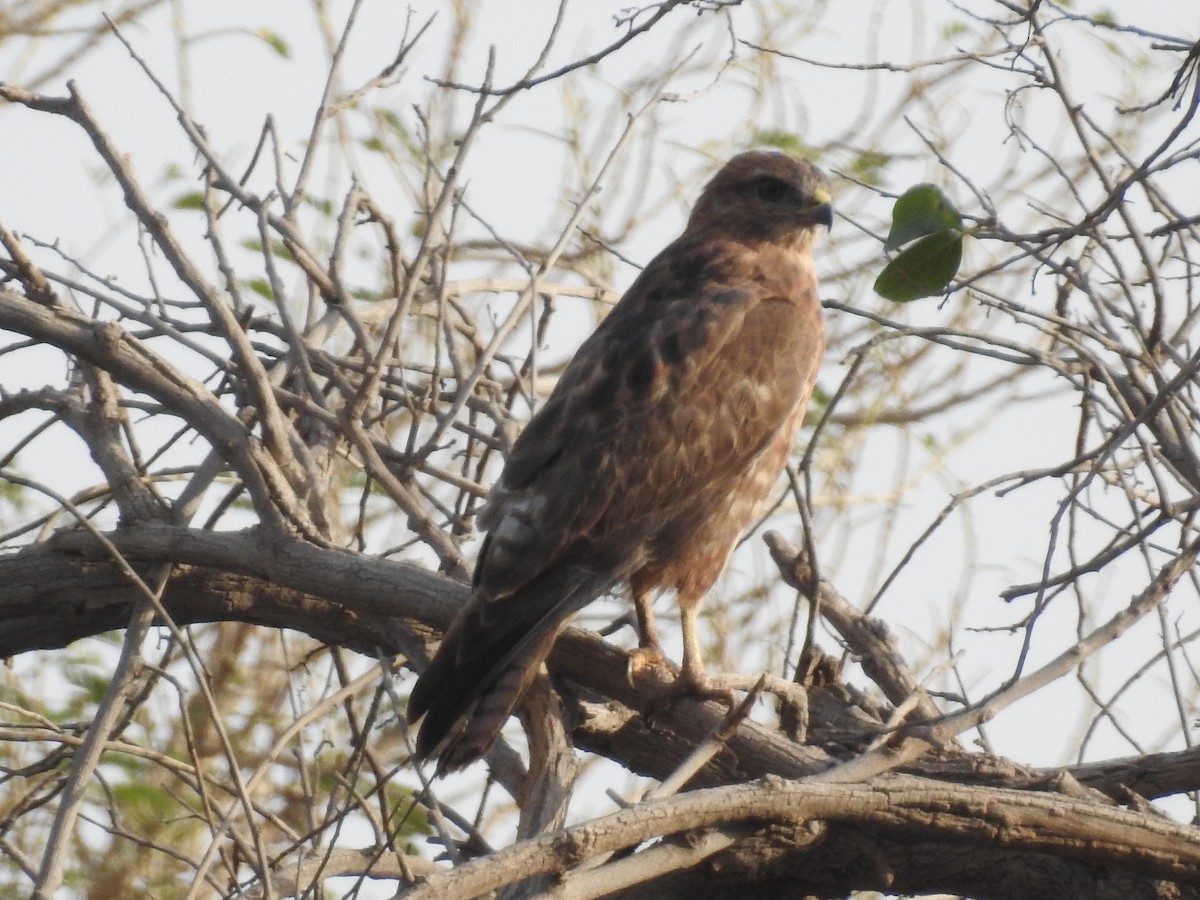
(658, 447)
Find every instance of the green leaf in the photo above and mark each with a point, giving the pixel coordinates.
(13, 495)
(145, 803)
(924, 269)
(275, 42)
(277, 248)
(919, 211)
(260, 286)
(868, 166)
(193, 200)
(321, 205)
(391, 121)
(781, 140)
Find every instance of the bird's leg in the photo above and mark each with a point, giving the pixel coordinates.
(647, 629)
(649, 652)
(693, 680)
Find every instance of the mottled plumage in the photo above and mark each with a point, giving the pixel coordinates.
(658, 447)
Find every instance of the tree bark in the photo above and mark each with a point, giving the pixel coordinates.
(994, 831)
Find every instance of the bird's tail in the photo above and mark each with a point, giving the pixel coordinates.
(488, 658)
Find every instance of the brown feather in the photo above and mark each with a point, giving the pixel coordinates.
(655, 450)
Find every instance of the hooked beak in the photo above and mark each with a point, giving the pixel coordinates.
(822, 211)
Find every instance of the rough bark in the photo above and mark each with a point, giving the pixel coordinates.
(951, 821)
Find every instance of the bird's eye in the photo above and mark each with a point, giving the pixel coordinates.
(772, 190)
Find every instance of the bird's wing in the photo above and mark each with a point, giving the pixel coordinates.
(687, 379)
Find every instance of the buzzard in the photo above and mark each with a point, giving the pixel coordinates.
(657, 448)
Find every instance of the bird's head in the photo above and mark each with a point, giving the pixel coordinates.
(767, 195)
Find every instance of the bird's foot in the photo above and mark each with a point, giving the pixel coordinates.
(701, 686)
(657, 701)
(644, 659)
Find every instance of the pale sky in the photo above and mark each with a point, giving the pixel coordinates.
(52, 187)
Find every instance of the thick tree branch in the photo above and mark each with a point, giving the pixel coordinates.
(901, 806)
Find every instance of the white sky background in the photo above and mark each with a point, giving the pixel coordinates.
(51, 187)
